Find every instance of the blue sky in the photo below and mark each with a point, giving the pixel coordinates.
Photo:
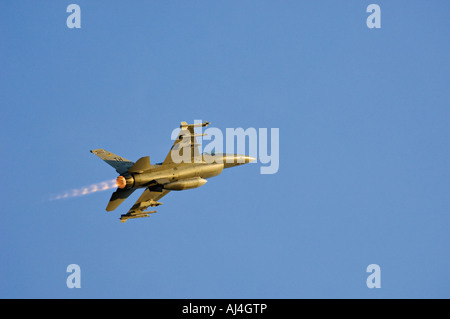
(363, 116)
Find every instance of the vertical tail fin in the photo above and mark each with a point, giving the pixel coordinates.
(141, 165)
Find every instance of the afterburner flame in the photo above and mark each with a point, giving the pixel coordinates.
(121, 182)
(102, 186)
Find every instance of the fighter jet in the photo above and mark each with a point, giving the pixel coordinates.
(183, 168)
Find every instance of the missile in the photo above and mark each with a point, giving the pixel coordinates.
(139, 214)
(185, 125)
(149, 203)
(124, 218)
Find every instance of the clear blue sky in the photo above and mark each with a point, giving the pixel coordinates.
(364, 120)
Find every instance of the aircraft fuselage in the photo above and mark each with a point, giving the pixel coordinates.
(181, 176)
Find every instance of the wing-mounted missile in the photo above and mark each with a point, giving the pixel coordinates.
(184, 125)
(135, 214)
(149, 203)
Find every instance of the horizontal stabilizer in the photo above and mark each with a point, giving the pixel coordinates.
(122, 165)
(118, 198)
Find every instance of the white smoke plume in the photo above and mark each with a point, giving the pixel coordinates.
(98, 187)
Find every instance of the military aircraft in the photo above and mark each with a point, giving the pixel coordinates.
(183, 168)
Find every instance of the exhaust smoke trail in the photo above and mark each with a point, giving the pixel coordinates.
(99, 187)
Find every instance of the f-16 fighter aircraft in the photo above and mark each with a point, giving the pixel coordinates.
(183, 168)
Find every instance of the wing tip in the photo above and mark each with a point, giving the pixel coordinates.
(186, 125)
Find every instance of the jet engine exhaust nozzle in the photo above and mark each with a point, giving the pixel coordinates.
(121, 182)
(125, 181)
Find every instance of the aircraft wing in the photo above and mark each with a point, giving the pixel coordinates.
(186, 141)
(148, 199)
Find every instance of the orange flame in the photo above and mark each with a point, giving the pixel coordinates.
(121, 182)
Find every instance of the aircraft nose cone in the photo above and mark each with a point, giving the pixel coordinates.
(236, 160)
(249, 159)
